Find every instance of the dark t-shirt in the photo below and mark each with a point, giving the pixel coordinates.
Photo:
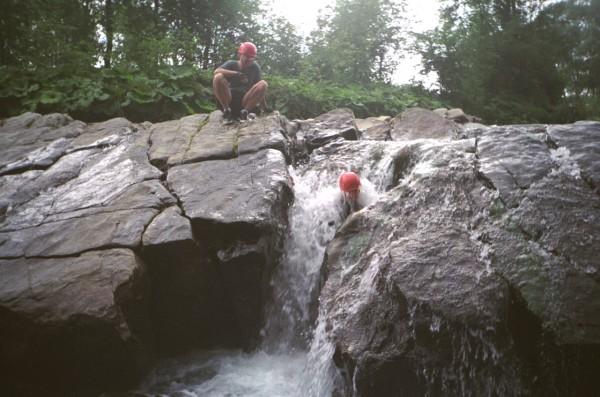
(250, 76)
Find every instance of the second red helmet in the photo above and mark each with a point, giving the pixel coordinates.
(247, 49)
(349, 182)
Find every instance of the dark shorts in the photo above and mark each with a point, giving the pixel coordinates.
(236, 101)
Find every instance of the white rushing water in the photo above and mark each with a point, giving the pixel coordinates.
(277, 368)
(294, 360)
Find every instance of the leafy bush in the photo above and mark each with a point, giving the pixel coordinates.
(173, 92)
(106, 93)
(300, 98)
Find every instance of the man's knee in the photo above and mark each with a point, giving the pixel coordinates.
(219, 78)
(262, 85)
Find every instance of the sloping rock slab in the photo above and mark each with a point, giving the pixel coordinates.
(338, 123)
(440, 279)
(238, 209)
(581, 140)
(374, 128)
(548, 249)
(418, 123)
(512, 158)
(89, 199)
(73, 325)
(35, 141)
(172, 138)
(206, 137)
(251, 195)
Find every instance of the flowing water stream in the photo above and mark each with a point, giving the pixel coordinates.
(294, 358)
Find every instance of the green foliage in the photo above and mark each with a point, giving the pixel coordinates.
(57, 34)
(173, 92)
(177, 91)
(280, 47)
(302, 98)
(356, 43)
(514, 61)
(504, 60)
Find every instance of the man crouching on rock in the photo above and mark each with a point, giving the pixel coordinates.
(238, 85)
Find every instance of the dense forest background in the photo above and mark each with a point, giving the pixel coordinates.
(506, 61)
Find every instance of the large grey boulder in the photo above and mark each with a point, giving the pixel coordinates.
(238, 208)
(477, 274)
(89, 199)
(415, 123)
(206, 137)
(190, 308)
(338, 123)
(73, 325)
(35, 141)
(374, 128)
(74, 297)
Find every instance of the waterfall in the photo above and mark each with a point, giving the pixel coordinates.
(315, 216)
(294, 358)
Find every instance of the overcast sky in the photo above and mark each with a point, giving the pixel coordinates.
(303, 14)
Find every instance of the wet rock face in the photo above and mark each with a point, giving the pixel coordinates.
(418, 123)
(477, 273)
(374, 128)
(238, 208)
(119, 242)
(76, 323)
(338, 123)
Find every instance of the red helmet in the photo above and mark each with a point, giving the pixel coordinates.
(349, 182)
(247, 49)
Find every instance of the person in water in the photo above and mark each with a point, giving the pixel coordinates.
(238, 85)
(350, 185)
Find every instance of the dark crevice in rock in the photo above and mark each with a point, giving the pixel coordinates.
(102, 145)
(149, 223)
(487, 182)
(189, 145)
(404, 162)
(179, 203)
(106, 247)
(20, 170)
(160, 165)
(509, 172)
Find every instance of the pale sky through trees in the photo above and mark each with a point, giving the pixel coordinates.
(424, 14)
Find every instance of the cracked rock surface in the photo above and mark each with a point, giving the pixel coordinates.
(476, 271)
(99, 235)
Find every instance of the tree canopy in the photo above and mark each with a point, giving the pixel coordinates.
(503, 60)
(517, 60)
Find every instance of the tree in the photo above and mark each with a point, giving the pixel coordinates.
(280, 47)
(52, 35)
(497, 59)
(357, 43)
